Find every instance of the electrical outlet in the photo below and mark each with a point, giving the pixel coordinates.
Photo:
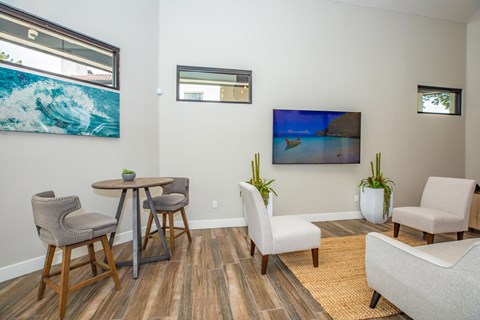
(356, 198)
(215, 204)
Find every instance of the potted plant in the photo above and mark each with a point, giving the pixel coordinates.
(128, 175)
(263, 185)
(376, 194)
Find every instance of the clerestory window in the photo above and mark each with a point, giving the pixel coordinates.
(439, 100)
(30, 42)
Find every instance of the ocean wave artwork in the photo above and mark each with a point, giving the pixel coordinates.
(34, 103)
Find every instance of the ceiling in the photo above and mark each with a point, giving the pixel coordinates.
(464, 11)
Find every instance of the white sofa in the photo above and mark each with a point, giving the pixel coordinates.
(438, 281)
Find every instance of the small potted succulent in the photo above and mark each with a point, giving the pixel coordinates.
(128, 175)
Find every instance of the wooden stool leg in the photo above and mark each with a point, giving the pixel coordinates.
(164, 223)
(171, 228)
(67, 253)
(111, 262)
(46, 270)
(91, 257)
(185, 223)
(147, 231)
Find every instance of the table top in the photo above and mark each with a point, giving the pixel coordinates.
(134, 184)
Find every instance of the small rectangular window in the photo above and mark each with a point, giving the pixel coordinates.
(439, 100)
(214, 85)
(30, 42)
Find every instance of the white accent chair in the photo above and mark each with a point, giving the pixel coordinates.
(445, 207)
(437, 281)
(274, 235)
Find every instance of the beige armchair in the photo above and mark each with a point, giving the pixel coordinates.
(438, 281)
(274, 235)
(445, 207)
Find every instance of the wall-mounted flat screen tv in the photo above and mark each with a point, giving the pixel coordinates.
(312, 136)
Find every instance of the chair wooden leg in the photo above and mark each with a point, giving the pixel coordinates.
(67, 253)
(111, 262)
(315, 257)
(252, 247)
(460, 235)
(396, 229)
(91, 257)
(164, 223)
(429, 238)
(375, 297)
(171, 229)
(147, 231)
(185, 223)
(46, 271)
(264, 263)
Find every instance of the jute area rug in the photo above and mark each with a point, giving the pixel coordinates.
(339, 283)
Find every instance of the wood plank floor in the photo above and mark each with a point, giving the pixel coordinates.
(214, 277)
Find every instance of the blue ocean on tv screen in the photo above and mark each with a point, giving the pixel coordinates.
(317, 150)
(307, 136)
(33, 103)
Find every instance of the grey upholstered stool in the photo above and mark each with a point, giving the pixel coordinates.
(174, 199)
(58, 230)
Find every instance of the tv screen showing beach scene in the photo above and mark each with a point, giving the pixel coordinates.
(313, 136)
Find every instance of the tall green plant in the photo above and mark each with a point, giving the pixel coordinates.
(263, 185)
(377, 181)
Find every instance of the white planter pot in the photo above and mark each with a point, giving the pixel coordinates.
(371, 205)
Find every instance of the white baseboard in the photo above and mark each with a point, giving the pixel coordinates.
(31, 265)
(319, 217)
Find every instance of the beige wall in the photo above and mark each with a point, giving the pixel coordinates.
(473, 102)
(307, 55)
(69, 164)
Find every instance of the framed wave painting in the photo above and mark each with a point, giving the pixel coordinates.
(34, 103)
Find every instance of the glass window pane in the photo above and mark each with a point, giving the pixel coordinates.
(213, 85)
(439, 100)
(31, 42)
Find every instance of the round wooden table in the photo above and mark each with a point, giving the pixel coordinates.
(136, 185)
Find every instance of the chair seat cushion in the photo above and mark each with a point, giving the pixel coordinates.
(167, 202)
(291, 233)
(80, 228)
(100, 224)
(427, 219)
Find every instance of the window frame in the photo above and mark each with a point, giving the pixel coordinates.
(63, 31)
(458, 98)
(184, 68)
